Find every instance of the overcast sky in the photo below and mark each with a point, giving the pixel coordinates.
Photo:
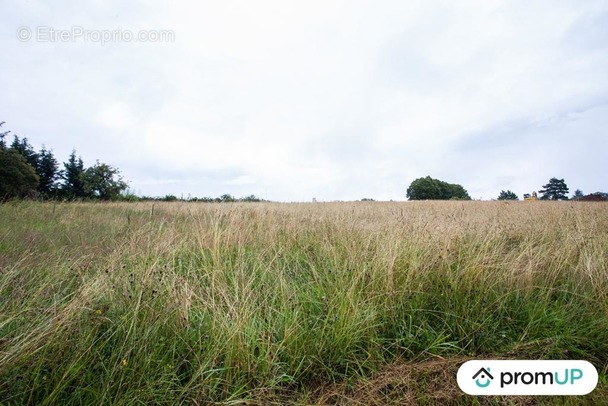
(337, 100)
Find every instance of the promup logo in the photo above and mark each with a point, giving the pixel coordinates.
(485, 375)
(493, 377)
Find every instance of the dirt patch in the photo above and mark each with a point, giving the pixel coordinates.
(430, 382)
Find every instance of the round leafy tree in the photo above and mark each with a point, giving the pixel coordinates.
(507, 195)
(17, 177)
(433, 189)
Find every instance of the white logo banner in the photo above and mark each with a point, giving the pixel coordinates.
(502, 377)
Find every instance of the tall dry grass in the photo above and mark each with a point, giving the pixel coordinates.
(174, 302)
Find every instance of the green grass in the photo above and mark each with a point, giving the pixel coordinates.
(141, 303)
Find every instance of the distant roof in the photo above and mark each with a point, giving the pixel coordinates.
(593, 198)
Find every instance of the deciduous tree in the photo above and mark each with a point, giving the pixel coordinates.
(17, 177)
(507, 195)
(103, 181)
(578, 194)
(433, 189)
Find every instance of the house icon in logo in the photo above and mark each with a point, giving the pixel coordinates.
(483, 373)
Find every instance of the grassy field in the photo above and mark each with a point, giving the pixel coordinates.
(337, 303)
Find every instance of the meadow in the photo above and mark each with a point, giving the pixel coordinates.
(310, 303)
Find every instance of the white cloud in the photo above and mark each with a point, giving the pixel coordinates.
(331, 99)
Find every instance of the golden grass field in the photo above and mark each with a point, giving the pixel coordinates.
(311, 303)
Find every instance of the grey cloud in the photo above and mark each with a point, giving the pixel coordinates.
(339, 101)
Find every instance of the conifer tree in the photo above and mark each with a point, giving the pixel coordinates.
(73, 185)
(25, 150)
(556, 189)
(48, 172)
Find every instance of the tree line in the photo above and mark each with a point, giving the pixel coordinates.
(225, 198)
(428, 188)
(555, 189)
(27, 173)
